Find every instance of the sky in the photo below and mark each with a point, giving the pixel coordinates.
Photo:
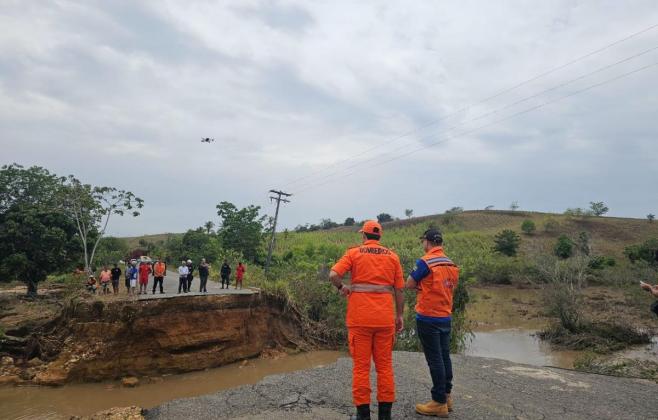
(354, 107)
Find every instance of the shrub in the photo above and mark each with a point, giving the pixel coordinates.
(349, 221)
(564, 247)
(647, 251)
(497, 271)
(528, 227)
(507, 242)
(551, 226)
(600, 262)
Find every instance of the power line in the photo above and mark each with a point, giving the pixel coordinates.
(491, 123)
(487, 114)
(484, 100)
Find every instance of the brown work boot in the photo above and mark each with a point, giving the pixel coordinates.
(433, 408)
(449, 402)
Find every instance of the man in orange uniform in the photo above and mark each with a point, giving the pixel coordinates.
(435, 278)
(376, 284)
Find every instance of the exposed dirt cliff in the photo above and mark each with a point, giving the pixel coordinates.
(93, 340)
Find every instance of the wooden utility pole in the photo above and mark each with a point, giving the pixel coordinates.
(279, 199)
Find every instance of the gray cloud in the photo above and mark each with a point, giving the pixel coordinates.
(120, 93)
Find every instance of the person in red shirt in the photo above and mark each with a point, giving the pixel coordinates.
(144, 271)
(373, 298)
(239, 274)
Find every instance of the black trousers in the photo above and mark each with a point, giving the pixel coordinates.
(189, 282)
(157, 280)
(225, 279)
(182, 284)
(202, 285)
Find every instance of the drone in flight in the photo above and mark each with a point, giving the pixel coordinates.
(207, 140)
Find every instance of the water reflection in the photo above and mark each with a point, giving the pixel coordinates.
(85, 399)
(519, 346)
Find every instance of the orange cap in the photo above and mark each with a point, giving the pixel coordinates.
(371, 226)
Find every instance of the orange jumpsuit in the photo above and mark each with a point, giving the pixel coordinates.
(371, 318)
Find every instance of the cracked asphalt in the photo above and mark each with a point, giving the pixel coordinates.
(483, 389)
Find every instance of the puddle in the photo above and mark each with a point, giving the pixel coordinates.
(85, 399)
(519, 346)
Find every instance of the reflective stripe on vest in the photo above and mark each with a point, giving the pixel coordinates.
(370, 288)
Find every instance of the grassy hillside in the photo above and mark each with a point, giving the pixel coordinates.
(133, 242)
(469, 235)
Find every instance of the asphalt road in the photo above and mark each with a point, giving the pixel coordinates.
(170, 286)
(484, 389)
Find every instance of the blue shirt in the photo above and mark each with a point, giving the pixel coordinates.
(422, 270)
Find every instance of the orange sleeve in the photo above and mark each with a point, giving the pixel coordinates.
(344, 264)
(399, 278)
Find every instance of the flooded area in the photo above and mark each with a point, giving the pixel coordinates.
(85, 399)
(520, 346)
(504, 322)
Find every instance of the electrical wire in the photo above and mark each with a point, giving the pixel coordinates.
(426, 146)
(294, 181)
(493, 112)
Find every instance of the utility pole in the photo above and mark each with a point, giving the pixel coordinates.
(279, 199)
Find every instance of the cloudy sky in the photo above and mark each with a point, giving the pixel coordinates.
(356, 107)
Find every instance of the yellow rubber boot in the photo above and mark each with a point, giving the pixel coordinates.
(433, 408)
(449, 402)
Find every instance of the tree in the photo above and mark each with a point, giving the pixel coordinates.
(528, 227)
(349, 221)
(28, 188)
(455, 210)
(564, 247)
(208, 226)
(241, 230)
(651, 217)
(514, 206)
(36, 237)
(507, 242)
(384, 217)
(489, 208)
(598, 208)
(408, 213)
(111, 250)
(35, 242)
(91, 208)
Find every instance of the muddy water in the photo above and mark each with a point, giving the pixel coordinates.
(86, 399)
(504, 321)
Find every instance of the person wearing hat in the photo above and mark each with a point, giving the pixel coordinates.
(375, 305)
(435, 278)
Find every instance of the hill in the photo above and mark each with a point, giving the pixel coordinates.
(608, 235)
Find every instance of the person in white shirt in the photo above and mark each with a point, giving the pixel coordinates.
(183, 271)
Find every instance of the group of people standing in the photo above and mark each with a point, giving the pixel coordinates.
(138, 273)
(186, 275)
(375, 307)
